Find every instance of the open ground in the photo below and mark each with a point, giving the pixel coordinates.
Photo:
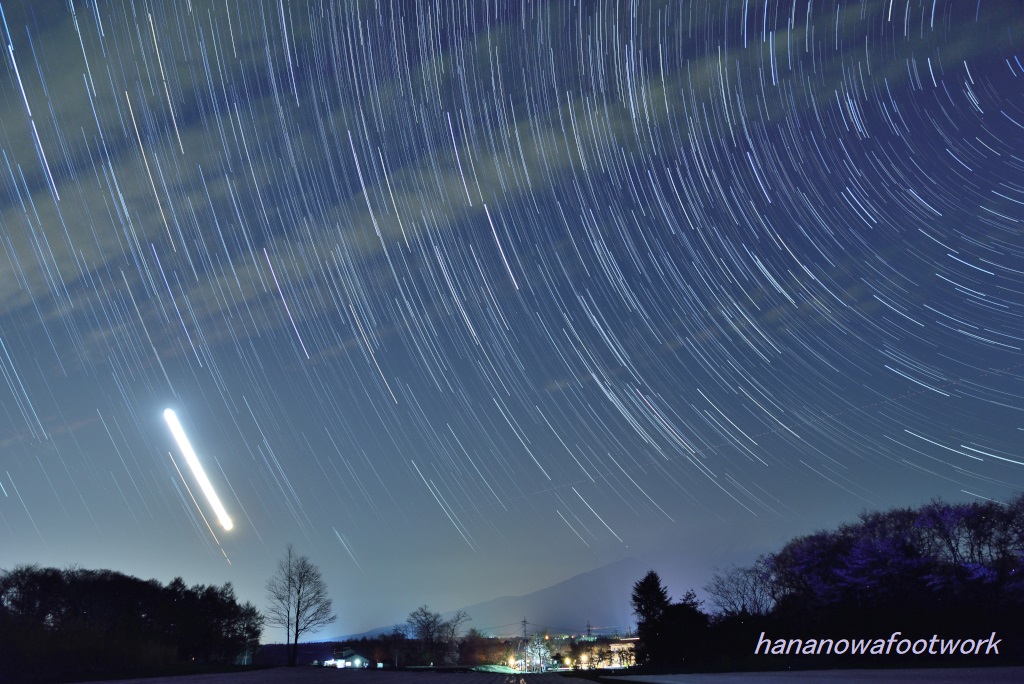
(312, 675)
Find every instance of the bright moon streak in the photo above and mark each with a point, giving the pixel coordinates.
(171, 418)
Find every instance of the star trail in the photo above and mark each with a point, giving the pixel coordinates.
(463, 298)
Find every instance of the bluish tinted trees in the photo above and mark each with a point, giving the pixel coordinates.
(942, 567)
(941, 552)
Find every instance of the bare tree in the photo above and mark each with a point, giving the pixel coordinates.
(438, 638)
(424, 624)
(738, 590)
(449, 634)
(298, 600)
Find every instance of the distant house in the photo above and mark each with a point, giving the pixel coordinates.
(605, 653)
(347, 657)
(621, 652)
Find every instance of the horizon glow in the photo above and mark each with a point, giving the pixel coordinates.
(171, 418)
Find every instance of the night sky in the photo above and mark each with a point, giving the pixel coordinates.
(465, 298)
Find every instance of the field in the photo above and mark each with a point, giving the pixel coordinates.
(326, 675)
(311, 675)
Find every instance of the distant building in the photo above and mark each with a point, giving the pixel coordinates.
(622, 654)
(603, 653)
(348, 658)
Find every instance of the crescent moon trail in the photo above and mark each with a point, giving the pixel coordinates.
(171, 418)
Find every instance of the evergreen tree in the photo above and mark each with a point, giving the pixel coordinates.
(650, 601)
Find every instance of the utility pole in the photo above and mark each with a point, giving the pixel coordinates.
(526, 648)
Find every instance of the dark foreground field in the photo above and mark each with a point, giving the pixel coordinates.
(326, 675)
(993, 675)
(311, 675)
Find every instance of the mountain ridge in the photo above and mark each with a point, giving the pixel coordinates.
(597, 599)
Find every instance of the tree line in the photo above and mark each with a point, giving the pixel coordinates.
(949, 569)
(61, 623)
(427, 638)
(941, 568)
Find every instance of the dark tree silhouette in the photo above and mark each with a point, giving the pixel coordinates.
(684, 632)
(298, 600)
(742, 591)
(424, 625)
(75, 624)
(650, 600)
(395, 643)
(438, 638)
(449, 636)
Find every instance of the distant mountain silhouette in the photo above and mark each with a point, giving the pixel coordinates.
(599, 597)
